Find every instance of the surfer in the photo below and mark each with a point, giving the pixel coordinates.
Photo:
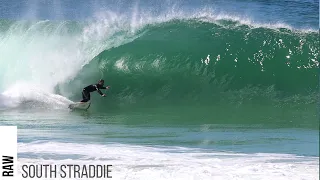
(91, 88)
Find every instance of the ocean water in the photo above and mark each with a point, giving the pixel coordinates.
(199, 89)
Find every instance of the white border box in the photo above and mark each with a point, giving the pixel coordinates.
(8, 152)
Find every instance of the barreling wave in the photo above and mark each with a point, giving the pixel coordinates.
(198, 61)
(199, 65)
(195, 61)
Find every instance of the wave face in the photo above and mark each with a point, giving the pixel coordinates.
(198, 61)
(173, 60)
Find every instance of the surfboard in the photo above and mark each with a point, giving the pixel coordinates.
(80, 105)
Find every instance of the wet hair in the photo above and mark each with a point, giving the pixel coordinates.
(101, 80)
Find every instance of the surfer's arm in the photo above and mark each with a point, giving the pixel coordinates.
(107, 87)
(98, 90)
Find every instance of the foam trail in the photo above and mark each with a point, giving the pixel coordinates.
(31, 94)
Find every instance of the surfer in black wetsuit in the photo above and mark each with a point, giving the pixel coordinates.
(91, 88)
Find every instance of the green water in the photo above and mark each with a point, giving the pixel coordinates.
(162, 127)
(190, 97)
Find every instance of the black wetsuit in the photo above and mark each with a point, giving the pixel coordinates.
(91, 88)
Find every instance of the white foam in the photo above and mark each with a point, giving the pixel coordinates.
(121, 64)
(28, 92)
(49, 53)
(207, 60)
(37, 56)
(142, 162)
(207, 14)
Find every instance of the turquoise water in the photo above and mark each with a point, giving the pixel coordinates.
(147, 144)
(144, 128)
(199, 90)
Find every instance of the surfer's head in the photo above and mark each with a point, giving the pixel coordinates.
(101, 82)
